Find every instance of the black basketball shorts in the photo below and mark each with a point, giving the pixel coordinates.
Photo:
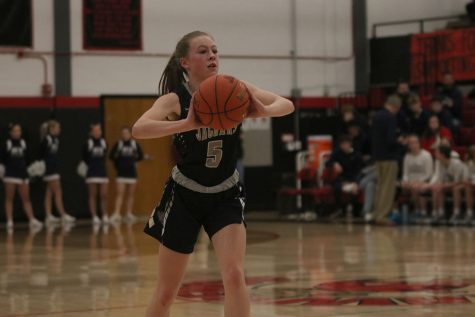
(177, 220)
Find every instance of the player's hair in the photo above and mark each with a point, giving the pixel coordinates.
(173, 75)
(12, 125)
(413, 135)
(46, 127)
(445, 150)
(94, 124)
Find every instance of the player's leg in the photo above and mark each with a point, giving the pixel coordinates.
(171, 268)
(9, 197)
(103, 190)
(469, 200)
(48, 200)
(230, 246)
(58, 196)
(119, 198)
(130, 194)
(457, 199)
(436, 190)
(24, 191)
(92, 194)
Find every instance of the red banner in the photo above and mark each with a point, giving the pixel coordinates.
(433, 54)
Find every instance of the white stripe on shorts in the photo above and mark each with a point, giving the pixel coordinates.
(126, 180)
(16, 180)
(168, 207)
(97, 180)
(51, 177)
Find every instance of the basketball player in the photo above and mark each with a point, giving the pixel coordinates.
(94, 155)
(125, 153)
(14, 156)
(203, 189)
(49, 154)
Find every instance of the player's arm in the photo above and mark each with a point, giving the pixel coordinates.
(267, 104)
(159, 120)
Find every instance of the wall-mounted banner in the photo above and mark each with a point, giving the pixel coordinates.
(15, 23)
(112, 24)
(433, 54)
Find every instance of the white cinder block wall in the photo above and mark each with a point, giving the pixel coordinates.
(260, 27)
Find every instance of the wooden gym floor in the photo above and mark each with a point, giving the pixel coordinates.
(293, 269)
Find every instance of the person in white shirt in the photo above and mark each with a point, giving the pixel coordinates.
(418, 168)
(452, 176)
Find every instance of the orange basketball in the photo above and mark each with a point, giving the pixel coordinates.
(221, 102)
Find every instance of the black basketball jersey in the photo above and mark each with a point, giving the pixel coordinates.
(207, 156)
(15, 157)
(94, 154)
(49, 153)
(125, 154)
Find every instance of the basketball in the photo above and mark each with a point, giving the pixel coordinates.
(221, 102)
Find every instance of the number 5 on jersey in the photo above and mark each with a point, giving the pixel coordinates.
(215, 153)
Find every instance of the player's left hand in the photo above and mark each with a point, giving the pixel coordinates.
(256, 108)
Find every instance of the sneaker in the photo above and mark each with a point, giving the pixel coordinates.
(468, 220)
(308, 216)
(96, 220)
(455, 220)
(396, 218)
(105, 219)
(130, 217)
(115, 218)
(66, 218)
(35, 224)
(52, 219)
(368, 217)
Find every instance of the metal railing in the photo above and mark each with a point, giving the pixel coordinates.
(421, 22)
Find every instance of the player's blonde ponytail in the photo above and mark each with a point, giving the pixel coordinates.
(174, 75)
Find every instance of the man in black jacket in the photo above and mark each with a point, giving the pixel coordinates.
(385, 145)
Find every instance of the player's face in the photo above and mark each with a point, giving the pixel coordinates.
(345, 147)
(403, 88)
(96, 131)
(15, 132)
(413, 144)
(202, 60)
(126, 134)
(434, 123)
(55, 130)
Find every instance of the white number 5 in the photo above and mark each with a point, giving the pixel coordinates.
(215, 153)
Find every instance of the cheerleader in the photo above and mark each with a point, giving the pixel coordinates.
(94, 155)
(125, 153)
(50, 131)
(14, 156)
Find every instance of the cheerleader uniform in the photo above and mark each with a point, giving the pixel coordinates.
(14, 157)
(125, 154)
(94, 155)
(49, 154)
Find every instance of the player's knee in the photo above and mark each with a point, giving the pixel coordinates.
(165, 297)
(233, 277)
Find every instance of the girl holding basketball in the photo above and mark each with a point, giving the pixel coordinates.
(203, 189)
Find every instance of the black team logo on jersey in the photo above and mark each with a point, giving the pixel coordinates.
(204, 134)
